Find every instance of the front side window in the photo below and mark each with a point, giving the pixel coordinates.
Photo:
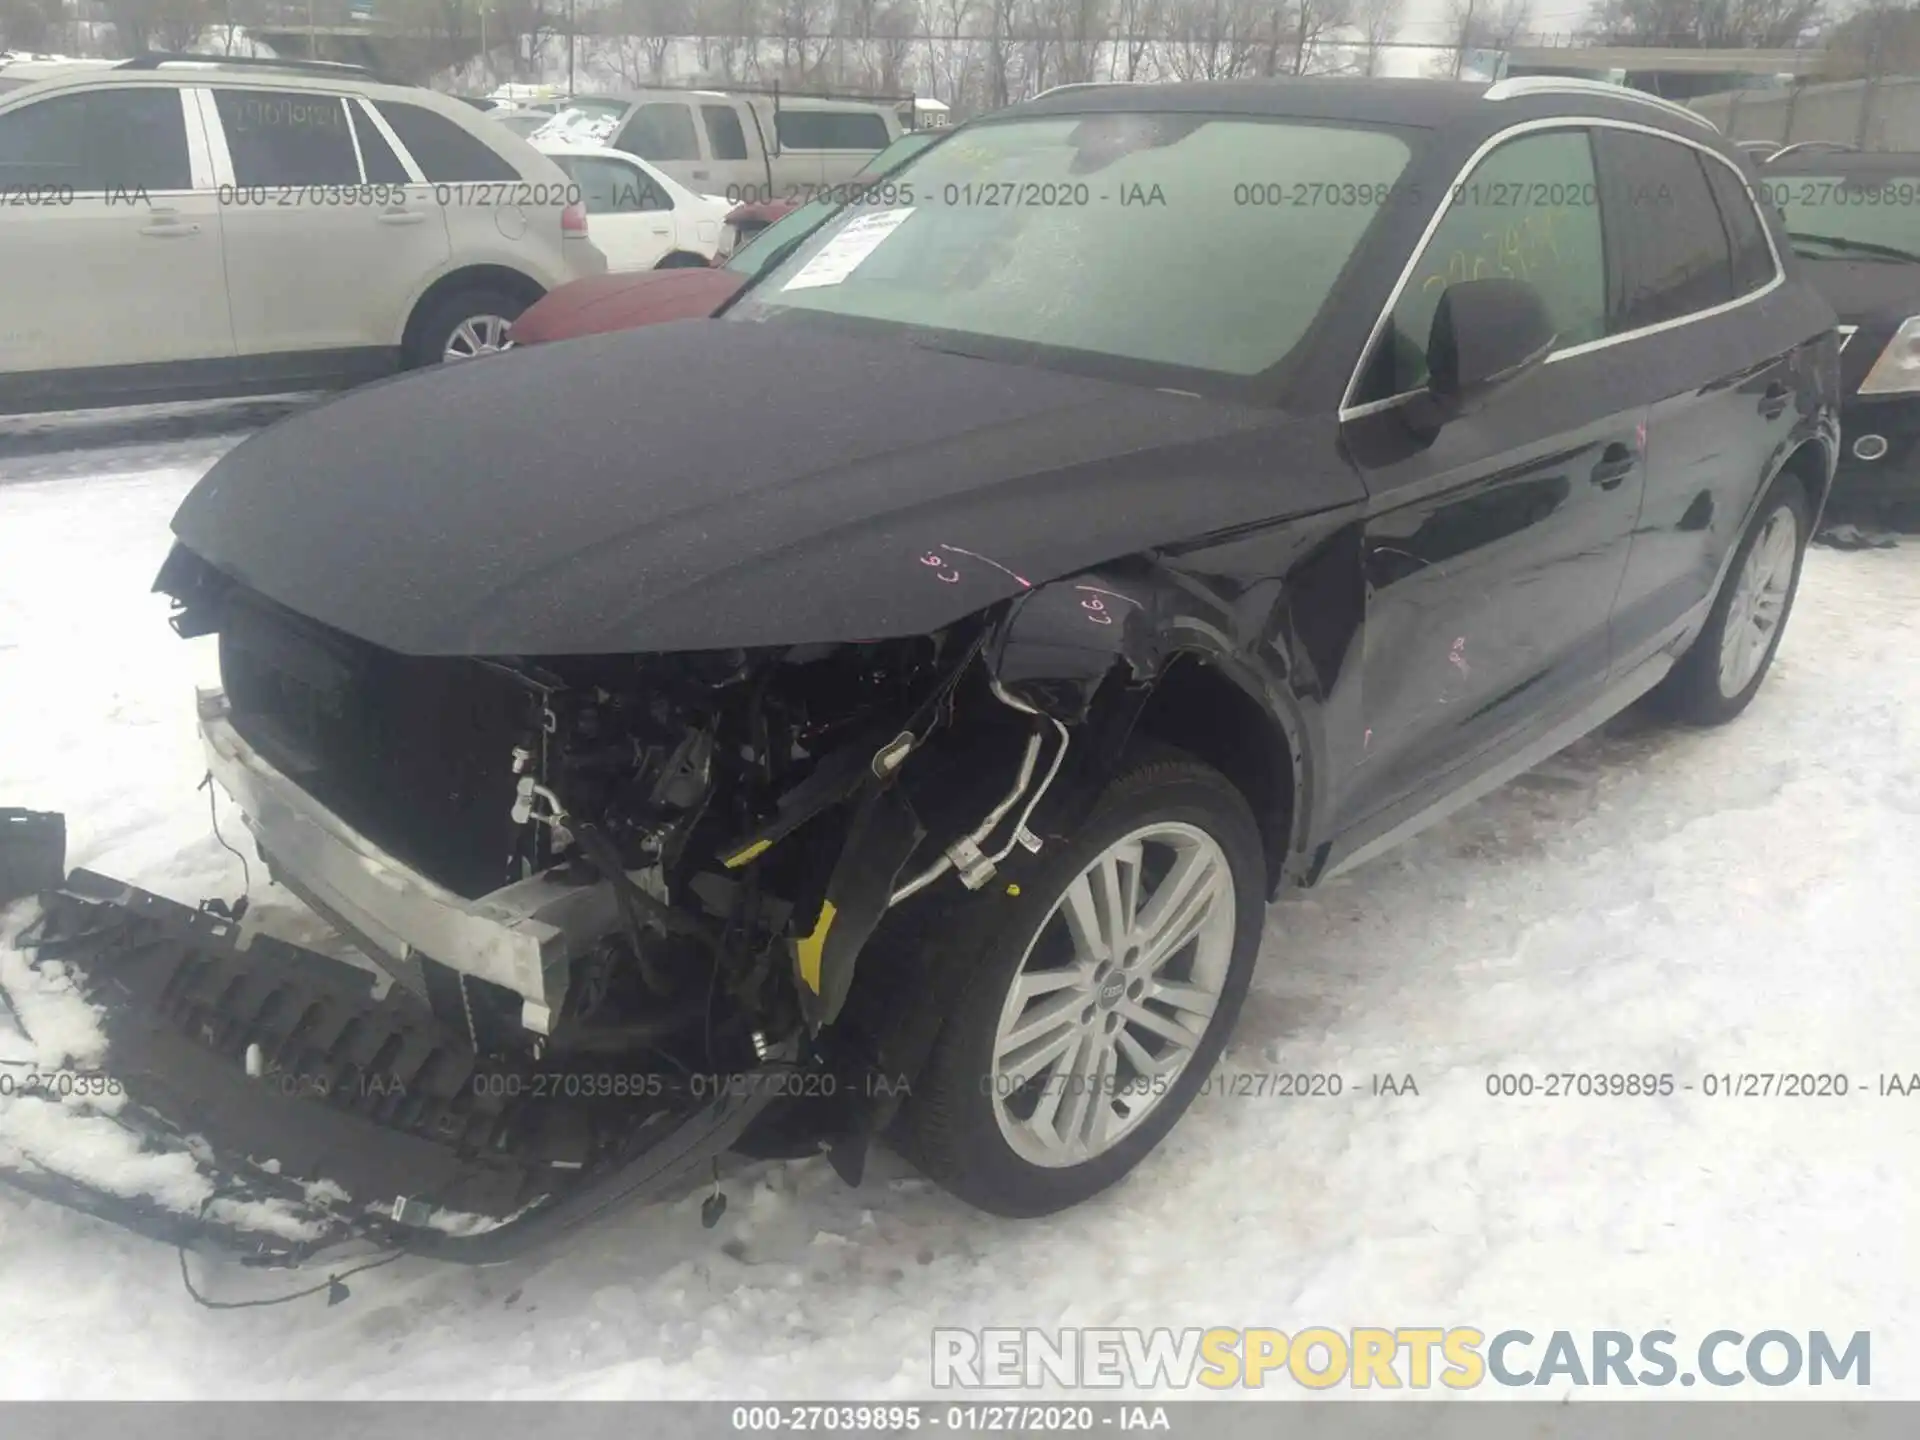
(98, 140)
(1840, 217)
(287, 137)
(1675, 257)
(724, 136)
(661, 132)
(1109, 243)
(609, 187)
(1528, 211)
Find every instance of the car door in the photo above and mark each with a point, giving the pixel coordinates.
(733, 165)
(630, 218)
(321, 255)
(663, 132)
(1694, 271)
(110, 237)
(1494, 546)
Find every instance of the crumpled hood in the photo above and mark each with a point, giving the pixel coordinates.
(706, 485)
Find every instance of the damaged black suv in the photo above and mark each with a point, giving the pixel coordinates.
(887, 708)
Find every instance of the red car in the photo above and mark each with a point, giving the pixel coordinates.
(626, 300)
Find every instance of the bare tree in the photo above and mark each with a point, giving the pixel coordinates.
(1310, 22)
(1880, 38)
(1139, 23)
(157, 24)
(1378, 20)
(726, 30)
(30, 24)
(1213, 39)
(1719, 23)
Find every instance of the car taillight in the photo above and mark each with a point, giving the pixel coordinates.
(573, 219)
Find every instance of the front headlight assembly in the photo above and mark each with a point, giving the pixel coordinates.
(1897, 371)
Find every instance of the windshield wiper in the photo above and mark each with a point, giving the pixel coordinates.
(1863, 247)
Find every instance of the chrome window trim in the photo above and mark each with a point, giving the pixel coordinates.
(1350, 411)
(1846, 334)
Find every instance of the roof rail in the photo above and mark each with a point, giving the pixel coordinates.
(1809, 145)
(1081, 85)
(154, 59)
(1521, 85)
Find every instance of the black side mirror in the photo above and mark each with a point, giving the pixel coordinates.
(1486, 334)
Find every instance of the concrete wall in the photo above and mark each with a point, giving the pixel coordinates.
(1879, 114)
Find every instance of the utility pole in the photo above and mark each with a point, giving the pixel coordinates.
(570, 28)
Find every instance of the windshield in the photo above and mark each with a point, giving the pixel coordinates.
(1859, 217)
(753, 256)
(1194, 242)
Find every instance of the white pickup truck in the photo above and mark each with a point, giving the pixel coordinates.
(746, 147)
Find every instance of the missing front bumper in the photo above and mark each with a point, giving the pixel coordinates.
(255, 1097)
(524, 937)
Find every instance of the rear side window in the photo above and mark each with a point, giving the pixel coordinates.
(1528, 211)
(724, 136)
(99, 140)
(1752, 260)
(287, 137)
(442, 150)
(609, 187)
(1674, 258)
(661, 132)
(382, 165)
(831, 130)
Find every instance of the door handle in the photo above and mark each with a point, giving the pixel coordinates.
(1616, 463)
(402, 217)
(699, 174)
(1775, 400)
(167, 222)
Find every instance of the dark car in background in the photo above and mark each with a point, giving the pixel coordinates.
(887, 709)
(1853, 218)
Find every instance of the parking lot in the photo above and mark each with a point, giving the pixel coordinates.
(1652, 900)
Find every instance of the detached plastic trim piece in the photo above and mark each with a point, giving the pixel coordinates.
(33, 853)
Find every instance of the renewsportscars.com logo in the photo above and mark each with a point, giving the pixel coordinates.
(1458, 1358)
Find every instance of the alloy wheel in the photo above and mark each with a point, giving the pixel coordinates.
(476, 335)
(1759, 602)
(1114, 994)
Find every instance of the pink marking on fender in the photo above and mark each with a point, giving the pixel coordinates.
(1025, 583)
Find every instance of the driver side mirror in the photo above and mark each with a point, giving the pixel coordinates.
(1486, 334)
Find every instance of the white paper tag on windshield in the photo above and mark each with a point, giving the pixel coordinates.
(842, 255)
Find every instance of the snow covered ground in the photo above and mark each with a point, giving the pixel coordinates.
(1743, 900)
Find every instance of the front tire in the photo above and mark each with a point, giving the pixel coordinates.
(464, 324)
(1720, 674)
(1105, 981)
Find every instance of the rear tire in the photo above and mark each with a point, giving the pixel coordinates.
(467, 321)
(1015, 1130)
(1720, 674)
(681, 260)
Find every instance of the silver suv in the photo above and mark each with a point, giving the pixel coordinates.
(176, 228)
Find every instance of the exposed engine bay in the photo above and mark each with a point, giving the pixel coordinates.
(608, 916)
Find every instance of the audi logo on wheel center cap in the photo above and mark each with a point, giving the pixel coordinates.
(1111, 992)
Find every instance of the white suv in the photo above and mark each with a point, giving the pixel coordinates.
(178, 229)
